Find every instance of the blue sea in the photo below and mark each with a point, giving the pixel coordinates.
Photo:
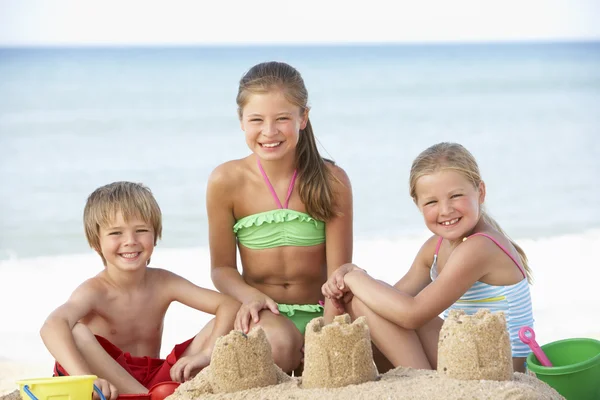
(73, 119)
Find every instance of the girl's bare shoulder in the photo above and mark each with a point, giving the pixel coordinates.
(340, 175)
(230, 174)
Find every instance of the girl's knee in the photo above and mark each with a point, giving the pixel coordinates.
(286, 347)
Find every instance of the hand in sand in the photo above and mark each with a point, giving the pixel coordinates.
(109, 391)
(250, 309)
(187, 367)
(335, 289)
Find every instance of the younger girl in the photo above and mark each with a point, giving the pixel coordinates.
(468, 263)
(288, 210)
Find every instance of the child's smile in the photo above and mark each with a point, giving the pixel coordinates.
(127, 245)
(449, 202)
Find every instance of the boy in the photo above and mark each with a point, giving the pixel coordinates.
(112, 324)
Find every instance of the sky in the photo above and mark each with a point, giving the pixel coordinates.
(187, 22)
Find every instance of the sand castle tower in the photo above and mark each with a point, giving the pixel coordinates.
(337, 354)
(241, 361)
(475, 346)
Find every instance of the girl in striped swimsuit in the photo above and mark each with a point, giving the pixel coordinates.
(468, 263)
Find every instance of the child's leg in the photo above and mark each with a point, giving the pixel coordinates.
(402, 347)
(103, 364)
(285, 339)
(200, 340)
(381, 361)
(519, 364)
(429, 335)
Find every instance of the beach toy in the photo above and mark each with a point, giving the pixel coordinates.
(60, 387)
(140, 396)
(527, 336)
(162, 390)
(576, 368)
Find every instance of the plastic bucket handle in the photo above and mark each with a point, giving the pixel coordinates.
(32, 396)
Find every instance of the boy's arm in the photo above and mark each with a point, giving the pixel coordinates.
(57, 331)
(223, 307)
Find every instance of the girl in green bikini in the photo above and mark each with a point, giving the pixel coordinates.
(288, 210)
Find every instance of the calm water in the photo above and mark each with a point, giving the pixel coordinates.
(74, 119)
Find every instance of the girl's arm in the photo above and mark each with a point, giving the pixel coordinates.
(466, 265)
(222, 242)
(338, 233)
(418, 276)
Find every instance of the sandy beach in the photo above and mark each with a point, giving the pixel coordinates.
(400, 383)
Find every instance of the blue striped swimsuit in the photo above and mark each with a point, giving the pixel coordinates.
(513, 300)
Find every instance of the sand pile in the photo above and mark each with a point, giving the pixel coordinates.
(475, 346)
(340, 354)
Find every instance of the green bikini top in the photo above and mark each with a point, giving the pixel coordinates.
(281, 227)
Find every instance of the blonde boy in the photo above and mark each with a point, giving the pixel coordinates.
(112, 324)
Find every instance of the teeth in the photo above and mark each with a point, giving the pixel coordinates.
(271, 144)
(129, 255)
(451, 222)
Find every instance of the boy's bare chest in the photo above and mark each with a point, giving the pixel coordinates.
(133, 323)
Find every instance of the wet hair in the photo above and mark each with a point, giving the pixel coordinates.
(132, 200)
(315, 180)
(453, 156)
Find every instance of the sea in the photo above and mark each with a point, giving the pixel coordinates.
(73, 119)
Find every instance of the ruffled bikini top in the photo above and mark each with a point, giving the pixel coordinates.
(280, 227)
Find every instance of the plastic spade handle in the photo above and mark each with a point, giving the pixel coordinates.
(527, 336)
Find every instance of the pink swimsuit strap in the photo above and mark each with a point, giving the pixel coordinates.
(439, 243)
(268, 182)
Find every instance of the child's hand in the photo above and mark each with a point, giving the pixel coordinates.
(335, 288)
(109, 391)
(187, 367)
(250, 309)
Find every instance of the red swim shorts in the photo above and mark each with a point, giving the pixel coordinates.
(146, 370)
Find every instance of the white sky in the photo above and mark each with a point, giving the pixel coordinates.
(147, 22)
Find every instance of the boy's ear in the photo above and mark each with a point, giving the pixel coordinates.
(481, 192)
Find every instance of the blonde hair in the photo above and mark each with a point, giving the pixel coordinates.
(132, 200)
(315, 180)
(453, 156)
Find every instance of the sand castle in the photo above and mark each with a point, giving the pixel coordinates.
(473, 347)
(241, 361)
(338, 354)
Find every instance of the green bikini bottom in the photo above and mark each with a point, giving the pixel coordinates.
(300, 314)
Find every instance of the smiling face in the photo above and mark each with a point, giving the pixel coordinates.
(450, 204)
(126, 245)
(272, 125)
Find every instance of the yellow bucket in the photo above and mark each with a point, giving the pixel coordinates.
(59, 388)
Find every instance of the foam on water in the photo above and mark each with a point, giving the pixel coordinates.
(564, 292)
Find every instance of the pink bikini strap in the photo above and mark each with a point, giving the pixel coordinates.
(437, 248)
(503, 249)
(290, 189)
